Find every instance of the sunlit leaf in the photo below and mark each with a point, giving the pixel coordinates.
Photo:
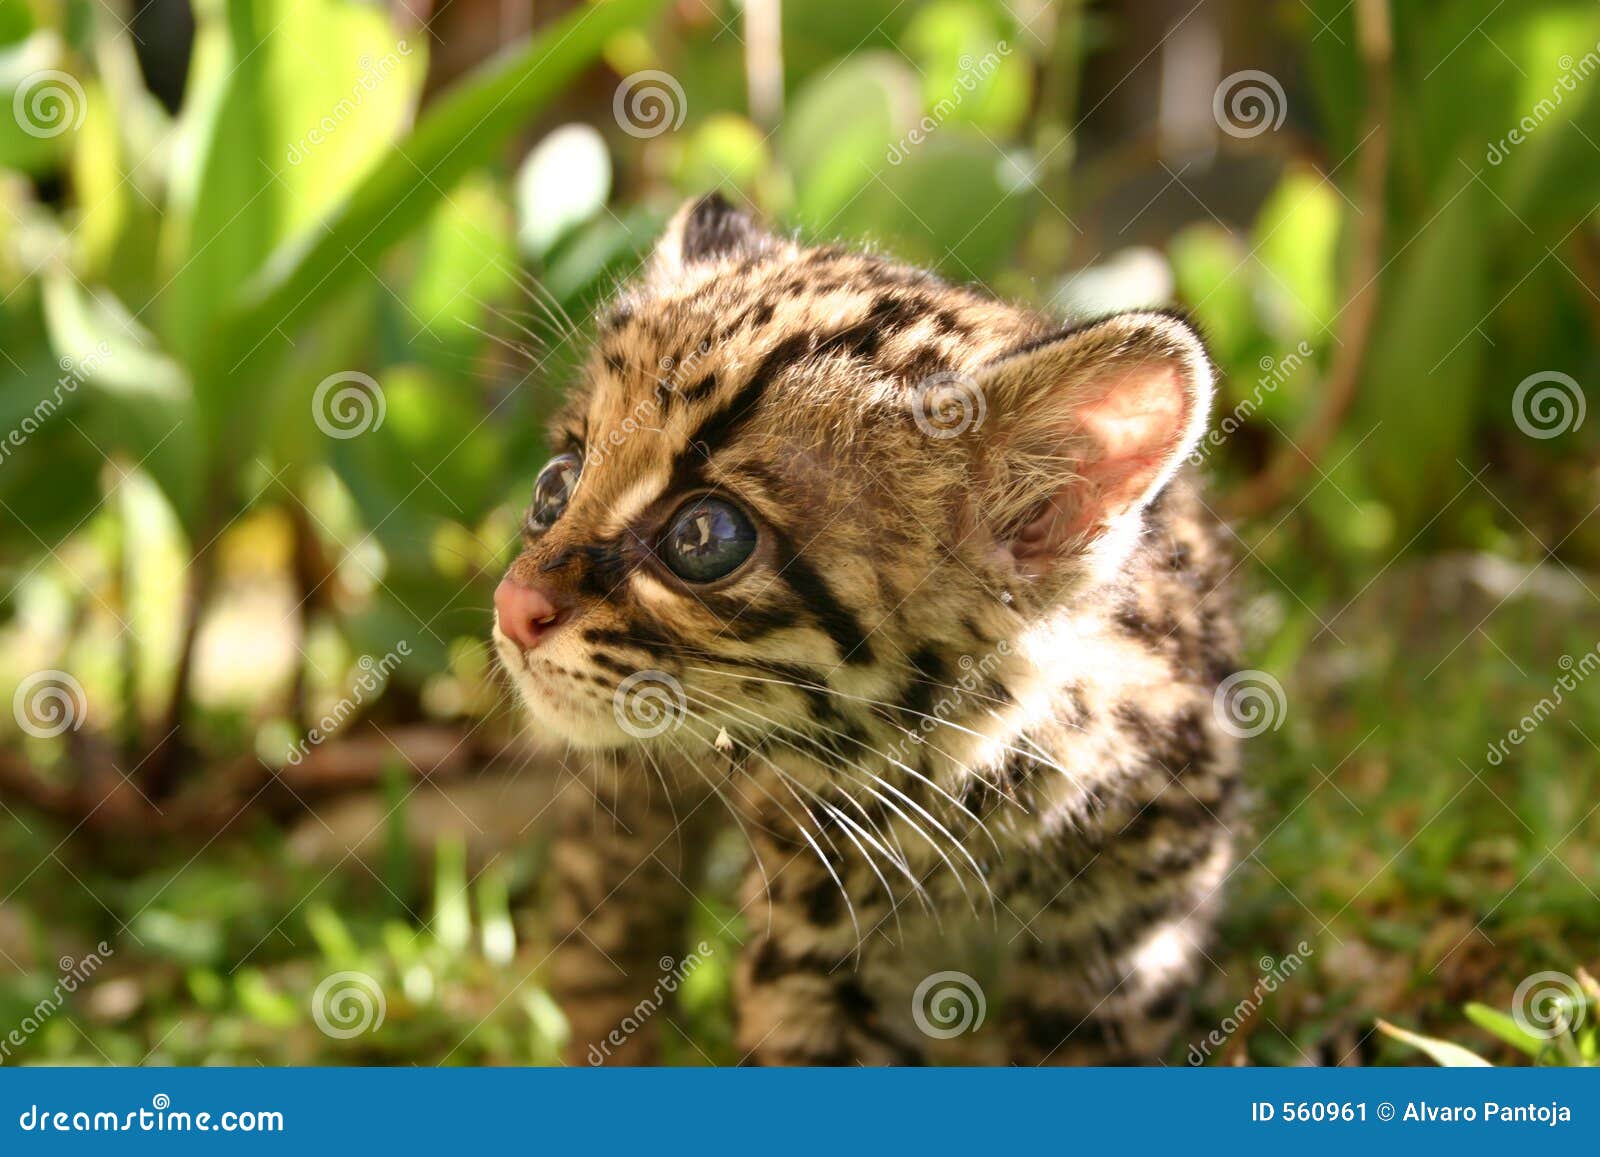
(1497, 1023)
(1441, 1051)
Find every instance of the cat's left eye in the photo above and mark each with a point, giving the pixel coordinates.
(707, 540)
(552, 490)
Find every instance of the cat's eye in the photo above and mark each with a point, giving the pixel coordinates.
(707, 540)
(552, 490)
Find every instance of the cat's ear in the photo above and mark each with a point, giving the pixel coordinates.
(1092, 423)
(708, 229)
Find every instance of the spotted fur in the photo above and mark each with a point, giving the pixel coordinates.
(959, 702)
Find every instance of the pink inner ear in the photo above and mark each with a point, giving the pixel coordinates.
(1130, 433)
(1120, 437)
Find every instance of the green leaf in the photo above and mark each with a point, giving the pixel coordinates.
(955, 202)
(727, 149)
(462, 131)
(452, 914)
(1498, 1024)
(1297, 240)
(1422, 379)
(262, 1002)
(497, 932)
(466, 266)
(101, 342)
(1207, 263)
(331, 933)
(1442, 1052)
(136, 399)
(970, 72)
(315, 92)
(843, 127)
(16, 21)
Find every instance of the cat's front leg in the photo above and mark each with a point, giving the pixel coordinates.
(1102, 974)
(624, 863)
(804, 994)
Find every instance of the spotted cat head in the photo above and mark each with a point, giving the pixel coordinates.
(797, 489)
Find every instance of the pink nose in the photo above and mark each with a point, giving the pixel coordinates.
(525, 614)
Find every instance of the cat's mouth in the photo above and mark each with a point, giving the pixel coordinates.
(580, 708)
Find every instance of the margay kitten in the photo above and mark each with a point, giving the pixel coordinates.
(911, 581)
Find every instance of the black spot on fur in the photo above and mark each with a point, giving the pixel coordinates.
(701, 390)
(824, 903)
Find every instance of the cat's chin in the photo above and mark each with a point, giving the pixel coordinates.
(565, 719)
(569, 719)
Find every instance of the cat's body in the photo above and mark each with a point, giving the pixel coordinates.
(956, 687)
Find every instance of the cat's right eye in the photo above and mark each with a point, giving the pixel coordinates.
(552, 490)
